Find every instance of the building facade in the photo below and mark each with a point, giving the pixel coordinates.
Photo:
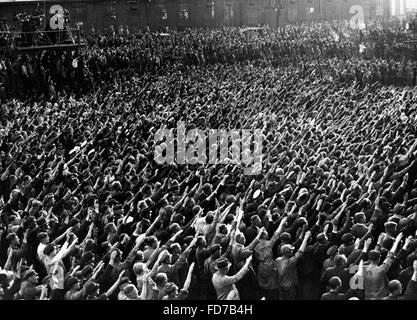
(158, 14)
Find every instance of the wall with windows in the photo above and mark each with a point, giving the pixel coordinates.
(160, 14)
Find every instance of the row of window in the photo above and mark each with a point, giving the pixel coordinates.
(210, 5)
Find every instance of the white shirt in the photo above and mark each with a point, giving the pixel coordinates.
(39, 251)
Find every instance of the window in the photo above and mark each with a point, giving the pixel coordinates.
(162, 5)
(228, 10)
(112, 10)
(79, 9)
(379, 10)
(292, 12)
(211, 7)
(183, 10)
(132, 5)
(271, 4)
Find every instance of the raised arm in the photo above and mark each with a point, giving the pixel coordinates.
(148, 231)
(390, 258)
(154, 254)
(304, 243)
(115, 285)
(188, 279)
(63, 252)
(255, 241)
(241, 273)
(279, 230)
(157, 263)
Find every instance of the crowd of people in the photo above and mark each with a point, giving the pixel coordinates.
(384, 53)
(87, 213)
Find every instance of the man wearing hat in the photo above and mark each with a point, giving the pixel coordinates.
(171, 269)
(411, 291)
(16, 250)
(339, 270)
(92, 289)
(348, 244)
(206, 258)
(374, 275)
(390, 234)
(6, 278)
(28, 288)
(335, 285)
(42, 224)
(359, 229)
(225, 285)
(252, 231)
(239, 252)
(395, 290)
(331, 253)
(43, 239)
(75, 292)
(286, 267)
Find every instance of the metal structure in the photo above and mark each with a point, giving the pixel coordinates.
(33, 33)
(68, 39)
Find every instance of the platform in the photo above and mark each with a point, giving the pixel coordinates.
(70, 46)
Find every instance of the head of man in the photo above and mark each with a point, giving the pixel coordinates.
(152, 242)
(340, 260)
(209, 219)
(222, 229)
(123, 283)
(285, 238)
(124, 239)
(264, 235)
(255, 221)
(174, 228)
(131, 292)
(207, 189)
(240, 238)
(167, 259)
(31, 276)
(390, 227)
(161, 280)
(201, 242)
(374, 256)
(360, 217)
(73, 284)
(49, 250)
(139, 268)
(335, 283)
(75, 224)
(43, 237)
(223, 266)
(190, 204)
(92, 289)
(395, 288)
(171, 290)
(287, 250)
(175, 249)
(14, 241)
(4, 279)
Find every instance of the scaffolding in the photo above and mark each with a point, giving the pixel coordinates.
(32, 41)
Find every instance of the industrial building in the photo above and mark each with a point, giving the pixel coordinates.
(159, 14)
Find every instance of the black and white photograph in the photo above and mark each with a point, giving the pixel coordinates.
(222, 152)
